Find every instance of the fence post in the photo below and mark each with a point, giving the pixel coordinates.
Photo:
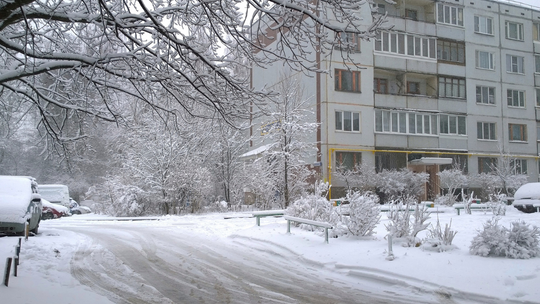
(26, 231)
(390, 256)
(15, 264)
(6, 271)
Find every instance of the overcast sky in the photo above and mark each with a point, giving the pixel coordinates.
(530, 2)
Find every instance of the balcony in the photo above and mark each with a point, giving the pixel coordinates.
(394, 89)
(407, 14)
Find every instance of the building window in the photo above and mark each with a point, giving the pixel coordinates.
(449, 14)
(405, 44)
(411, 14)
(537, 63)
(538, 135)
(484, 60)
(348, 160)
(517, 132)
(379, 8)
(451, 87)
(387, 121)
(348, 41)
(389, 161)
(538, 97)
(483, 25)
(514, 64)
(380, 85)
(348, 81)
(486, 164)
(514, 30)
(518, 166)
(347, 121)
(536, 31)
(486, 130)
(453, 124)
(485, 95)
(516, 98)
(413, 87)
(451, 51)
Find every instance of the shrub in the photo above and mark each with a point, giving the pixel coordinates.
(518, 242)
(402, 225)
(312, 206)
(439, 240)
(365, 213)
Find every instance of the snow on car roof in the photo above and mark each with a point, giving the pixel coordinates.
(530, 191)
(15, 195)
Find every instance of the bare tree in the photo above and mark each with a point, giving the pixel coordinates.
(72, 59)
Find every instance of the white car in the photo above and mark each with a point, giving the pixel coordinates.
(20, 203)
(527, 198)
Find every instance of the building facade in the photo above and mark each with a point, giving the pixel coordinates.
(444, 82)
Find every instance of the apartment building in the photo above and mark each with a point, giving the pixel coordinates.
(448, 81)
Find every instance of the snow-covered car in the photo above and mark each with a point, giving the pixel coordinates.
(527, 198)
(20, 203)
(53, 211)
(75, 208)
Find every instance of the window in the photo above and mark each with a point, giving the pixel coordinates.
(485, 130)
(405, 44)
(518, 166)
(536, 31)
(449, 14)
(538, 97)
(483, 25)
(537, 63)
(514, 30)
(379, 8)
(514, 64)
(348, 41)
(451, 87)
(517, 132)
(484, 60)
(413, 87)
(411, 14)
(387, 121)
(347, 121)
(516, 98)
(380, 85)
(538, 135)
(451, 51)
(389, 161)
(485, 95)
(348, 160)
(348, 81)
(453, 125)
(486, 164)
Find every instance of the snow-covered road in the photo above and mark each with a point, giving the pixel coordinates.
(144, 264)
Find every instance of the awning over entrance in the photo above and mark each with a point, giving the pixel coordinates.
(431, 161)
(256, 152)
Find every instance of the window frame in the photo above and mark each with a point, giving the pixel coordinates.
(413, 12)
(351, 43)
(490, 59)
(482, 96)
(477, 23)
(481, 130)
(537, 96)
(405, 44)
(519, 30)
(519, 64)
(413, 87)
(536, 31)
(455, 14)
(461, 87)
(353, 118)
(402, 122)
(522, 130)
(447, 48)
(537, 63)
(514, 102)
(486, 164)
(379, 83)
(356, 78)
(452, 122)
(520, 169)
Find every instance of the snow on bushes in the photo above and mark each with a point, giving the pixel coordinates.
(518, 242)
(313, 207)
(364, 213)
(439, 240)
(402, 225)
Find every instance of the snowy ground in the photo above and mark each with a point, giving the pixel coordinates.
(45, 273)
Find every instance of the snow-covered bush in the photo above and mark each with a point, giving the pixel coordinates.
(365, 213)
(401, 184)
(314, 206)
(518, 242)
(497, 204)
(403, 225)
(439, 240)
(451, 180)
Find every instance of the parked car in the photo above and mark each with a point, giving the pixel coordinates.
(20, 203)
(76, 208)
(527, 198)
(53, 211)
